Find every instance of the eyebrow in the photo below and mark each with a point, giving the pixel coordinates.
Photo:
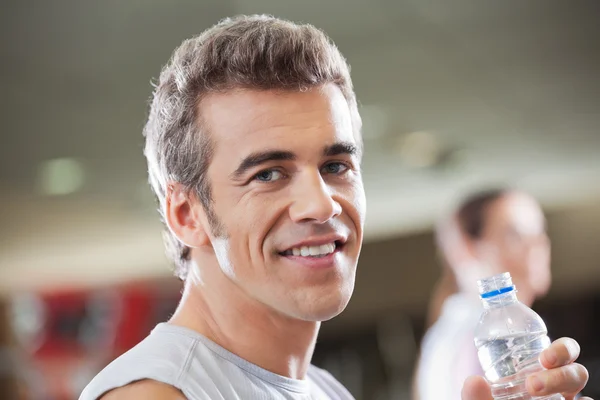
(340, 148)
(261, 157)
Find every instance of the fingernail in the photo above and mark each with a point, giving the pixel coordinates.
(573, 348)
(551, 357)
(536, 383)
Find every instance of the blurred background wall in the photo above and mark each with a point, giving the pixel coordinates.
(455, 96)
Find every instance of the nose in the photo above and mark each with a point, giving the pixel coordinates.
(313, 200)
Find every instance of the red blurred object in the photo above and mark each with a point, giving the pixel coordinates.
(63, 314)
(134, 321)
(77, 332)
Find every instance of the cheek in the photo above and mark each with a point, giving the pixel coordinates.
(511, 245)
(361, 204)
(260, 217)
(232, 250)
(357, 203)
(513, 252)
(539, 259)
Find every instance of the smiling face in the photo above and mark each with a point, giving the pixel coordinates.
(288, 196)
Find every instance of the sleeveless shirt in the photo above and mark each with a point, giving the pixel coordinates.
(201, 369)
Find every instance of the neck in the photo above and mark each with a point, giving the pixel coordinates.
(246, 327)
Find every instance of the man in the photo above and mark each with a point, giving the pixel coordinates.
(253, 145)
(491, 232)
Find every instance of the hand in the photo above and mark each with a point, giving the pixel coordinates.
(562, 375)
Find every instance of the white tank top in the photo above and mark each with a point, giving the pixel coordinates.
(201, 369)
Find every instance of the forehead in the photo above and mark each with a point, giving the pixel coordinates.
(252, 120)
(517, 211)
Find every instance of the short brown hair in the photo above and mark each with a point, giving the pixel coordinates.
(471, 213)
(256, 52)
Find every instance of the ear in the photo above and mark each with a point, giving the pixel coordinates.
(457, 248)
(185, 216)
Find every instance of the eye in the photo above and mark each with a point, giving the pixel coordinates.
(269, 175)
(335, 168)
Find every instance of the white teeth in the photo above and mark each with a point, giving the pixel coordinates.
(321, 250)
(327, 248)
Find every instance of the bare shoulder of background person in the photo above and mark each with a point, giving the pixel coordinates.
(146, 389)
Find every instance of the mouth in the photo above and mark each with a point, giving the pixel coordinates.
(317, 251)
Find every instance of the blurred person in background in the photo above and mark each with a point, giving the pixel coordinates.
(253, 146)
(491, 232)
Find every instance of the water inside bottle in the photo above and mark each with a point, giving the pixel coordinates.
(508, 360)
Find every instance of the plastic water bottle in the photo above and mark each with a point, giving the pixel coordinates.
(509, 338)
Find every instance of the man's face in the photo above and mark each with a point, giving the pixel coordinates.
(515, 228)
(288, 194)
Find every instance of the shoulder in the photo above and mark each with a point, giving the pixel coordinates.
(145, 389)
(157, 363)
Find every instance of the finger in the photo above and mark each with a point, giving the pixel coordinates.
(567, 379)
(476, 388)
(561, 352)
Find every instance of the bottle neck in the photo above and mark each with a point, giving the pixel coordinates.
(500, 300)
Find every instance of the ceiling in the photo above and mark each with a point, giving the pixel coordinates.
(507, 90)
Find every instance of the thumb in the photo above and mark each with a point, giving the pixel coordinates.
(476, 388)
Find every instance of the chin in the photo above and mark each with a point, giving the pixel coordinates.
(325, 308)
(320, 315)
